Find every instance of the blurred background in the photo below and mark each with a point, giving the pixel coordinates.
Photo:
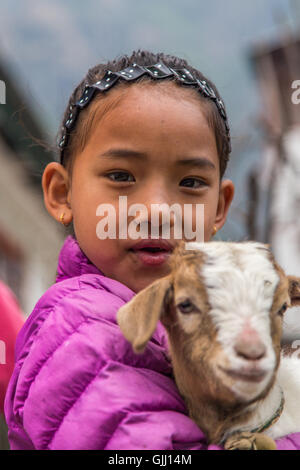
(250, 50)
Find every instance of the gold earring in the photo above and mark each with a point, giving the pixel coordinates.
(61, 219)
(215, 230)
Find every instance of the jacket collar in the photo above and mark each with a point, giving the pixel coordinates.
(73, 262)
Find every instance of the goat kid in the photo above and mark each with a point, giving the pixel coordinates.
(222, 306)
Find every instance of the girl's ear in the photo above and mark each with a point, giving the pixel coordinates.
(294, 290)
(55, 183)
(138, 318)
(226, 194)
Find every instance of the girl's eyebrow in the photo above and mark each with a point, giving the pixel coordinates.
(201, 162)
(119, 152)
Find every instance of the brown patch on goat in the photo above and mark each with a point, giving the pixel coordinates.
(211, 404)
(289, 350)
(294, 290)
(280, 297)
(138, 318)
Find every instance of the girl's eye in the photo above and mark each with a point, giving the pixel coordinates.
(193, 183)
(120, 176)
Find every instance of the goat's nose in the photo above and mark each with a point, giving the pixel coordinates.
(250, 350)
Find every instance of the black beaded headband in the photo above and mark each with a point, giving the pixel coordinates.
(133, 72)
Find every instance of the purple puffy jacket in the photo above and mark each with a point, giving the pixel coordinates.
(77, 383)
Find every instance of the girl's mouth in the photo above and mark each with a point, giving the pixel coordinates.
(152, 252)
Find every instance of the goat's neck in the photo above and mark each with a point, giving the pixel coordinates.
(218, 421)
(264, 412)
(214, 419)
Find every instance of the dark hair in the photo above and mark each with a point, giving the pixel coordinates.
(78, 135)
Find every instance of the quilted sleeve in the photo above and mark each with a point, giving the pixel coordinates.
(82, 387)
(290, 442)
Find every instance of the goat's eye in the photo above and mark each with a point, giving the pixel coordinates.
(186, 306)
(282, 309)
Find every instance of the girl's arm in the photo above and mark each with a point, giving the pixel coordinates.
(78, 385)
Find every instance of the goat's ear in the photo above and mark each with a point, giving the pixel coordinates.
(294, 290)
(138, 318)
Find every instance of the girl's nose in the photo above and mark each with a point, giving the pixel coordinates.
(156, 192)
(157, 218)
(156, 209)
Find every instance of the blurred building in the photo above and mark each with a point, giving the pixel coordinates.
(275, 184)
(29, 238)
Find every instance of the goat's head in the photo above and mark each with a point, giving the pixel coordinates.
(222, 305)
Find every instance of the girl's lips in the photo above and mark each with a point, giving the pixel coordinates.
(152, 252)
(153, 243)
(146, 257)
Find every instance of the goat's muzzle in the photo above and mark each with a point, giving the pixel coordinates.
(253, 374)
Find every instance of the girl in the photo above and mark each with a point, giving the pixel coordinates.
(154, 130)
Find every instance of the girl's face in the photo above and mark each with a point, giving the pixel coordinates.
(153, 147)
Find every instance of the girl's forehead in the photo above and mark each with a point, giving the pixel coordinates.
(165, 91)
(145, 95)
(163, 120)
(144, 106)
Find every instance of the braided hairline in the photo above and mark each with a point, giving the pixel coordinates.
(97, 73)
